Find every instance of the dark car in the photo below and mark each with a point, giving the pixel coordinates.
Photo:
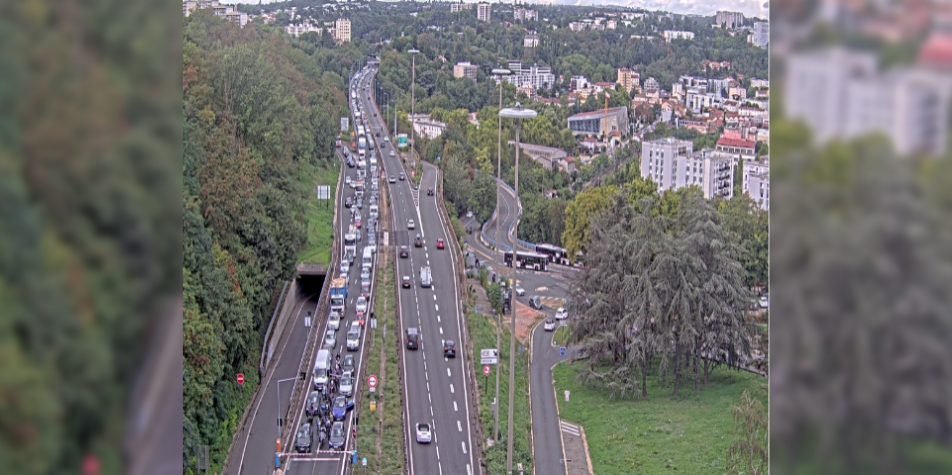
(418, 241)
(302, 442)
(350, 162)
(449, 349)
(406, 282)
(337, 438)
(347, 363)
(313, 403)
(378, 133)
(429, 192)
(404, 251)
(413, 338)
(403, 176)
(348, 202)
(535, 302)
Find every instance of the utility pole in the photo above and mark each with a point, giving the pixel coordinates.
(500, 72)
(413, 52)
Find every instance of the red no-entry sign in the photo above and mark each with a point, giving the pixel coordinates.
(241, 378)
(372, 381)
(486, 370)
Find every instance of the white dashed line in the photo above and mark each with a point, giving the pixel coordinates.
(456, 409)
(437, 452)
(469, 470)
(438, 319)
(464, 446)
(441, 330)
(434, 298)
(459, 425)
(427, 386)
(451, 389)
(437, 308)
(430, 398)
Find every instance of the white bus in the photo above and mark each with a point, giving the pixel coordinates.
(556, 254)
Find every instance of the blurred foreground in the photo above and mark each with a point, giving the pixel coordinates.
(90, 247)
(861, 234)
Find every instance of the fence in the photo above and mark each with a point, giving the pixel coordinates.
(482, 231)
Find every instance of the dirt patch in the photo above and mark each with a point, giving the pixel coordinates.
(552, 302)
(525, 317)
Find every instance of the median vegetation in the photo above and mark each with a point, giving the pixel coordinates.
(482, 330)
(380, 433)
(318, 214)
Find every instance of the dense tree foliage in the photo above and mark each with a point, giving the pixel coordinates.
(257, 109)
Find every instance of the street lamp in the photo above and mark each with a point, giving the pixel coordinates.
(413, 52)
(278, 386)
(387, 95)
(500, 72)
(517, 113)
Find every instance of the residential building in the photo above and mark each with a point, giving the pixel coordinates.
(540, 77)
(524, 14)
(458, 7)
(761, 34)
(598, 122)
(578, 82)
(424, 126)
(546, 156)
(843, 94)
(673, 164)
(729, 20)
(671, 35)
(465, 70)
(483, 11)
(652, 88)
(227, 12)
(630, 80)
(342, 30)
(301, 28)
(735, 143)
(531, 40)
(757, 181)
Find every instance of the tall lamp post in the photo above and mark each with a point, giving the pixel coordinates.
(517, 113)
(413, 52)
(500, 72)
(387, 115)
(278, 387)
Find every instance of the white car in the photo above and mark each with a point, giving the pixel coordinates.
(411, 224)
(348, 182)
(391, 152)
(347, 383)
(333, 321)
(520, 291)
(423, 433)
(344, 268)
(361, 305)
(549, 325)
(561, 314)
(353, 338)
(764, 302)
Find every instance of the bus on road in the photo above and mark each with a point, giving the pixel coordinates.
(556, 254)
(528, 260)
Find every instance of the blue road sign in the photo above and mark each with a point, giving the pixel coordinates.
(562, 351)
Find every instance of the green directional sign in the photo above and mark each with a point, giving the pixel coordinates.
(402, 140)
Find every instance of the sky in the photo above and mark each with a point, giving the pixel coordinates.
(750, 8)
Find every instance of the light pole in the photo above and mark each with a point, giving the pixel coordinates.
(278, 386)
(500, 72)
(517, 113)
(387, 95)
(413, 52)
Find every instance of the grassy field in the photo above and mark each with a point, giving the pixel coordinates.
(390, 459)
(483, 331)
(661, 434)
(319, 215)
(563, 336)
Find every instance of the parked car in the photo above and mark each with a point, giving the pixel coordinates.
(413, 338)
(333, 321)
(302, 443)
(423, 433)
(549, 325)
(440, 244)
(764, 302)
(561, 314)
(404, 251)
(449, 349)
(418, 241)
(519, 290)
(337, 438)
(535, 302)
(330, 339)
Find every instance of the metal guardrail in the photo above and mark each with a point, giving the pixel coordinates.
(525, 244)
(267, 334)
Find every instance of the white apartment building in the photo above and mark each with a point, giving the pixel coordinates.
(611, 24)
(524, 14)
(757, 181)
(531, 40)
(652, 87)
(671, 35)
(227, 12)
(342, 30)
(843, 94)
(673, 164)
(729, 20)
(761, 34)
(424, 126)
(465, 70)
(540, 77)
(301, 28)
(483, 11)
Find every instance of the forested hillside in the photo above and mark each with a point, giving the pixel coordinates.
(259, 110)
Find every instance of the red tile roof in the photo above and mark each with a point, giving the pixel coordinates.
(937, 50)
(729, 142)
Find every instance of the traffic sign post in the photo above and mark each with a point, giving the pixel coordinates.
(488, 356)
(486, 371)
(241, 378)
(562, 351)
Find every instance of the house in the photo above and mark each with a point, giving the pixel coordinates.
(546, 156)
(599, 122)
(734, 142)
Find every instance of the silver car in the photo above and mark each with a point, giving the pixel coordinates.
(330, 339)
(347, 384)
(333, 321)
(423, 433)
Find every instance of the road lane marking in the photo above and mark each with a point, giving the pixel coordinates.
(441, 330)
(459, 425)
(438, 319)
(448, 372)
(455, 409)
(437, 308)
(464, 447)
(451, 389)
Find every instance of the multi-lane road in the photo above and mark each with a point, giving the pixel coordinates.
(434, 386)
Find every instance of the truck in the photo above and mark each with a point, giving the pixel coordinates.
(338, 294)
(426, 279)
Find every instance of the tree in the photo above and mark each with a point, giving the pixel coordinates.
(578, 216)
(748, 453)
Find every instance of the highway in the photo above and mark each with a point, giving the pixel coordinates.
(507, 207)
(434, 386)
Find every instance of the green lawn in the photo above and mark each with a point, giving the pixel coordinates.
(483, 331)
(562, 336)
(390, 459)
(661, 434)
(319, 215)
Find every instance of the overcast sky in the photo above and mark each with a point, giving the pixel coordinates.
(750, 8)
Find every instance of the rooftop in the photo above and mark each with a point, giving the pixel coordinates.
(598, 113)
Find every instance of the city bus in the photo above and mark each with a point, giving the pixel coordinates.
(528, 260)
(556, 254)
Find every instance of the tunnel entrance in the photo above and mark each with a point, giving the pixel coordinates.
(310, 283)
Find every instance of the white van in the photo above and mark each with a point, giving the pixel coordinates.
(373, 211)
(321, 366)
(368, 260)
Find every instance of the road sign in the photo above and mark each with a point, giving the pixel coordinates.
(402, 140)
(486, 370)
(566, 396)
(489, 356)
(344, 124)
(562, 351)
(364, 461)
(241, 378)
(372, 381)
(323, 192)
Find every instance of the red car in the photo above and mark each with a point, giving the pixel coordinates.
(440, 244)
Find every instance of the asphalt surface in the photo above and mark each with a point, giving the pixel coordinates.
(434, 386)
(507, 208)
